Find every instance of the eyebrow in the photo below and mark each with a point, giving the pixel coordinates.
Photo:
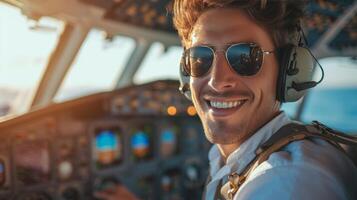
(227, 44)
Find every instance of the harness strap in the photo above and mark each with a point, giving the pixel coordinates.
(284, 136)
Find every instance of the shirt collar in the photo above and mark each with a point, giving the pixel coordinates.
(242, 156)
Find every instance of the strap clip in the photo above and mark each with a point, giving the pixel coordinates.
(234, 182)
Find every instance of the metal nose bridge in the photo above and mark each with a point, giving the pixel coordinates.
(226, 63)
(223, 50)
(220, 50)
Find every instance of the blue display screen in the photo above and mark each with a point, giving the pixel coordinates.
(168, 142)
(2, 167)
(107, 140)
(168, 136)
(2, 173)
(108, 147)
(140, 143)
(140, 140)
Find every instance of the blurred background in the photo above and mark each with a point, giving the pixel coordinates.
(103, 74)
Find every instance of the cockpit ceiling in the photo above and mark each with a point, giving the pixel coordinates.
(321, 14)
(347, 37)
(156, 15)
(152, 14)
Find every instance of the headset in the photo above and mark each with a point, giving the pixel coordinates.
(295, 76)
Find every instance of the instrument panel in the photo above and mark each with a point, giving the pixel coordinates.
(145, 137)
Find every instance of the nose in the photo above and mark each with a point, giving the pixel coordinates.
(222, 77)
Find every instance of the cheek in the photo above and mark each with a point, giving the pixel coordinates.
(269, 77)
(264, 83)
(195, 87)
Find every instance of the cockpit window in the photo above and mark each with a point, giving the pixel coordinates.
(25, 47)
(97, 66)
(333, 102)
(159, 63)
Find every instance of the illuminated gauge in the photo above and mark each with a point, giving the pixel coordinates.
(34, 196)
(168, 142)
(2, 172)
(71, 193)
(170, 181)
(166, 183)
(171, 110)
(65, 170)
(140, 144)
(108, 147)
(191, 173)
(191, 176)
(191, 110)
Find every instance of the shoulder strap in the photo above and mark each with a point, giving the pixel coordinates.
(285, 135)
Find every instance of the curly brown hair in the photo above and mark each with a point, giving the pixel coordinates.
(279, 17)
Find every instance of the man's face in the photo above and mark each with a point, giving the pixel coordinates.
(254, 96)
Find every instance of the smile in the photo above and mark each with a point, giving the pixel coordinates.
(224, 108)
(225, 104)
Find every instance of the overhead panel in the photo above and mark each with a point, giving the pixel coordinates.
(347, 37)
(320, 15)
(150, 14)
(157, 15)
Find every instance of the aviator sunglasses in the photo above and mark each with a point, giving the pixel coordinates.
(244, 58)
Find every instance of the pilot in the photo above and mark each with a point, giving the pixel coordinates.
(232, 58)
(238, 100)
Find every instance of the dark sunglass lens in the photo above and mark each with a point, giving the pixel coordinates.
(245, 59)
(200, 60)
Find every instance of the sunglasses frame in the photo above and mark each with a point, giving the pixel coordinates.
(225, 49)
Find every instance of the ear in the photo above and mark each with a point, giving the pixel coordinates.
(184, 80)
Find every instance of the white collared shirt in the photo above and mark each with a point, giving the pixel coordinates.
(307, 169)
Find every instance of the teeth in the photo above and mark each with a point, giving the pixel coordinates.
(225, 104)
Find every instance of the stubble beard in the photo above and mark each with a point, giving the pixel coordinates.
(220, 132)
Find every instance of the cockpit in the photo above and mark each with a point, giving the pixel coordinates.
(147, 137)
(89, 97)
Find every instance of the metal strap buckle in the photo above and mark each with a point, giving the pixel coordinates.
(233, 184)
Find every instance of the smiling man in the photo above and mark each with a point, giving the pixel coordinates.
(232, 59)
(232, 106)
(233, 70)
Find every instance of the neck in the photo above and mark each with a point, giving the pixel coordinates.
(227, 149)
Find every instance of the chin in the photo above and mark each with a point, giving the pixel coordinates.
(220, 133)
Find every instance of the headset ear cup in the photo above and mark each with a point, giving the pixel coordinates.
(295, 74)
(184, 80)
(297, 84)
